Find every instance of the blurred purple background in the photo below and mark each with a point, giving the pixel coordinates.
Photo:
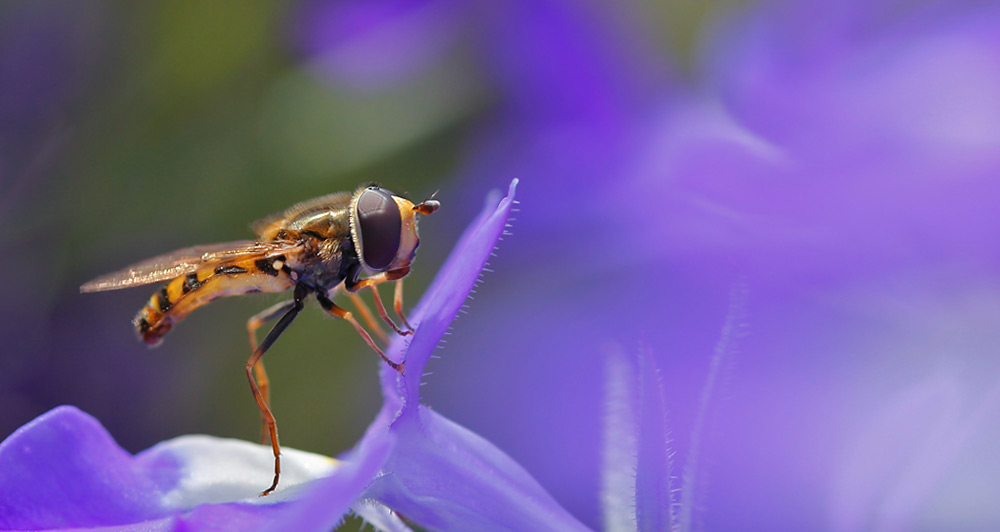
(835, 167)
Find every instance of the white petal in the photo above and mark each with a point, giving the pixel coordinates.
(220, 470)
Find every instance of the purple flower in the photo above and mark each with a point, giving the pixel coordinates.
(63, 470)
(823, 190)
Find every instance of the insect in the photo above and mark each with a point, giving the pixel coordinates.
(342, 241)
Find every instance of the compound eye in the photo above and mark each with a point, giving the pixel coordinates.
(381, 227)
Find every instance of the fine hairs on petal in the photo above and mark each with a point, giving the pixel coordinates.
(441, 475)
(695, 480)
(619, 452)
(445, 297)
(637, 490)
(654, 493)
(637, 480)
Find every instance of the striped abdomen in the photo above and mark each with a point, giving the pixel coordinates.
(185, 293)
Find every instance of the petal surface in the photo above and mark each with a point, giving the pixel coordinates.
(441, 475)
(64, 471)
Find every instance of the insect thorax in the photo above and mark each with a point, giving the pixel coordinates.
(325, 263)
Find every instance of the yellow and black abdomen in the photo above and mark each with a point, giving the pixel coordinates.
(175, 300)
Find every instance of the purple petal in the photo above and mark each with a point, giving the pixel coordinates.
(440, 474)
(444, 298)
(380, 516)
(445, 477)
(224, 518)
(64, 470)
(331, 498)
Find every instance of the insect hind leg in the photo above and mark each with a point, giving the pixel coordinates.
(260, 373)
(265, 410)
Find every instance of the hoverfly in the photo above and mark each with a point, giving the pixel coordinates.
(345, 240)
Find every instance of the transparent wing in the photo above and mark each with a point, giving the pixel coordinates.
(187, 260)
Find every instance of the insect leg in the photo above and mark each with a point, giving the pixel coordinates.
(397, 302)
(345, 314)
(265, 410)
(367, 315)
(384, 314)
(375, 280)
(258, 369)
(379, 278)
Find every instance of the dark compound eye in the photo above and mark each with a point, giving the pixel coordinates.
(380, 225)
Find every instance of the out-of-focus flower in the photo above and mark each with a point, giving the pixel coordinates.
(841, 158)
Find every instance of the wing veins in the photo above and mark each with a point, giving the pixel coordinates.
(187, 260)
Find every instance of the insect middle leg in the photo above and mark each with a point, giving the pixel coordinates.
(265, 410)
(260, 373)
(346, 315)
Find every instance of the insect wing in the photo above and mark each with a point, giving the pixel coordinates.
(329, 201)
(187, 260)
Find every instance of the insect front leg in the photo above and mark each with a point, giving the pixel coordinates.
(373, 282)
(346, 315)
(385, 315)
(265, 410)
(397, 303)
(260, 373)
